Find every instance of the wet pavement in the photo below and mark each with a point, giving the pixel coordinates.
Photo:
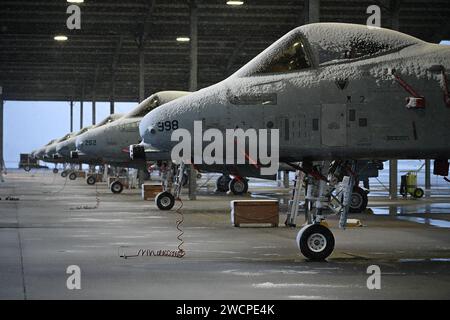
(46, 230)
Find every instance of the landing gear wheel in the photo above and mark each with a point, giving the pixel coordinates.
(72, 176)
(90, 180)
(165, 200)
(315, 242)
(222, 183)
(418, 193)
(64, 174)
(238, 186)
(27, 168)
(116, 187)
(55, 171)
(358, 200)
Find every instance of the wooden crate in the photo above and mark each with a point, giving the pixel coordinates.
(254, 212)
(149, 191)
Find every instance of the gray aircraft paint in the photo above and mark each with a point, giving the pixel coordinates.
(339, 108)
(110, 143)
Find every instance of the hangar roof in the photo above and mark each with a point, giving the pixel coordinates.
(33, 66)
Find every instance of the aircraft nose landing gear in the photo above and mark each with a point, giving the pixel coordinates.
(165, 200)
(315, 242)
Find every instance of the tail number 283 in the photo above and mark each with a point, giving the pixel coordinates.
(167, 125)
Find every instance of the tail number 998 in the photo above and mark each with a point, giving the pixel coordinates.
(167, 125)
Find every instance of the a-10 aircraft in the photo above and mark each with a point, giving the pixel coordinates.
(338, 94)
(58, 150)
(109, 143)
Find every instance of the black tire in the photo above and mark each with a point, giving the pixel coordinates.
(238, 186)
(72, 176)
(64, 173)
(90, 180)
(27, 168)
(116, 187)
(358, 200)
(55, 171)
(165, 200)
(222, 183)
(418, 193)
(315, 241)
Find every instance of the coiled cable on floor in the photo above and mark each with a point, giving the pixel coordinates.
(60, 189)
(87, 207)
(180, 253)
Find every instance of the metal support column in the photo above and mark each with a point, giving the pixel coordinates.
(394, 11)
(393, 169)
(193, 46)
(81, 106)
(2, 160)
(141, 71)
(71, 116)
(312, 11)
(427, 174)
(113, 92)
(94, 97)
(193, 84)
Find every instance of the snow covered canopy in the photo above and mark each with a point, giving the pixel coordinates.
(325, 43)
(144, 107)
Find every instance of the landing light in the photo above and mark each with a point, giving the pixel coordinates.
(60, 38)
(75, 1)
(183, 39)
(235, 3)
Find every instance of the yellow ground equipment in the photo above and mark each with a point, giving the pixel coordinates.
(409, 185)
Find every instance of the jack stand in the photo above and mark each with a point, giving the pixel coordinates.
(294, 207)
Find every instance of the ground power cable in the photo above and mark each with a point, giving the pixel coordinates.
(180, 253)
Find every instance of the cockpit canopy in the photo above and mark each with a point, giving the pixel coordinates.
(325, 43)
(83, 130)
(144, 107)
(155, 100)
(108, 119)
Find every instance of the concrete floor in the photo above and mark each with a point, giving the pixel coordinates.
(45, 231)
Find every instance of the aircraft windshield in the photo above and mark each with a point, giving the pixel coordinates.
(82, 131)
(287, 55)
(143, 108)
(108, 119)
(333, 42)
(324, 43)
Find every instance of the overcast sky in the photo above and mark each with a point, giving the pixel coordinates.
(29, 125)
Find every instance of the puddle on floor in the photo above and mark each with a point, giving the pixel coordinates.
(432, 222)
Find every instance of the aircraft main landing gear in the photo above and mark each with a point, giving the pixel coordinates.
(238, 186)
(116, 187)
(358, 201)
(72, 176)
(328, 190)
(90, 180)
(222, 183)
(165, 200)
